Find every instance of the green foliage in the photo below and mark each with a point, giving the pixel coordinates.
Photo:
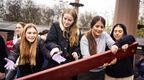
(140, 33)
(108, 28)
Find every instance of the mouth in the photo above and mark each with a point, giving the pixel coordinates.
(98, 32)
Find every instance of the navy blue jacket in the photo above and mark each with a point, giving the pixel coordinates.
(123, 67)
(55, 39)
(3, 54)
(27, 68)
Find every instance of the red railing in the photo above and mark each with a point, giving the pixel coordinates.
(68, 70)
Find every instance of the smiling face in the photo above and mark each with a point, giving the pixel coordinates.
(31, 34)
(67, 20)
(98, 28)
(118, 32)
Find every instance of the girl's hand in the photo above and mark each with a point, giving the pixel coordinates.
(113, 61)
(75, 55)
(2, 76)
(124, 47)
(105, 65)
(10, 64)
(114, 49)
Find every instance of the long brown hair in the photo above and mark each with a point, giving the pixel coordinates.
(73, 33)
(90, 36)
(28, 50)
(92, 42)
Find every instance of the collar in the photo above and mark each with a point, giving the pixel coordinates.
(61, 25)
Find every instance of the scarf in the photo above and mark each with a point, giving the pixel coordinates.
(92, 43)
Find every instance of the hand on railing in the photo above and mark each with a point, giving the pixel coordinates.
(113, 61)
(105, 65)
(124, 47)
(114, 49)
(75, 55)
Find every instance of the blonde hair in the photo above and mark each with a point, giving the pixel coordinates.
(73, 33)
(27, 50)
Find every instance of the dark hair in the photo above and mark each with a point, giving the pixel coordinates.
(44, 32)
(121, 26)
(96, 19)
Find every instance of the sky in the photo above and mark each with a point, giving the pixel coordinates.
(89, 5)
(104, 8)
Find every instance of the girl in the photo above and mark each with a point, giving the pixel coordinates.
(3, 54)
(95, 42)
(30, 52)
(17, 34)
(115, 71)
(63, 38)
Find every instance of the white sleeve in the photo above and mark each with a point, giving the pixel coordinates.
(109, 40)
(84, 47)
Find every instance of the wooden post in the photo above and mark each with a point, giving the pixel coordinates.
(126, 12)
(76, 5)
(77, 8)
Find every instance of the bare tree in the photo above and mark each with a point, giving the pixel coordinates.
(85, 19)
(47, 15)
(2, 10)
(58, 9)
(13, 8)
(30, 12)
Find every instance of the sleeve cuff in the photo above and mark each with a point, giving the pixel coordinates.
(54, 50)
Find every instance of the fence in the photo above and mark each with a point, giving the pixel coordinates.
(65, 71)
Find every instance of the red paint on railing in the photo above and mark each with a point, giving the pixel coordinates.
(68, 70)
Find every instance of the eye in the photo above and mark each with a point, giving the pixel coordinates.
(17, 27)
(34, 33)
(28, 32)
(65, 18)
(97, 26)
(120, 31)
(115, 31)
(102, 27)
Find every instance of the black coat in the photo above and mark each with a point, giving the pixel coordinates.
(123, 67)
(55, 39)
(3, 54)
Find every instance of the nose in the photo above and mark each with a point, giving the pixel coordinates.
(66, 21)
(117, 33)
